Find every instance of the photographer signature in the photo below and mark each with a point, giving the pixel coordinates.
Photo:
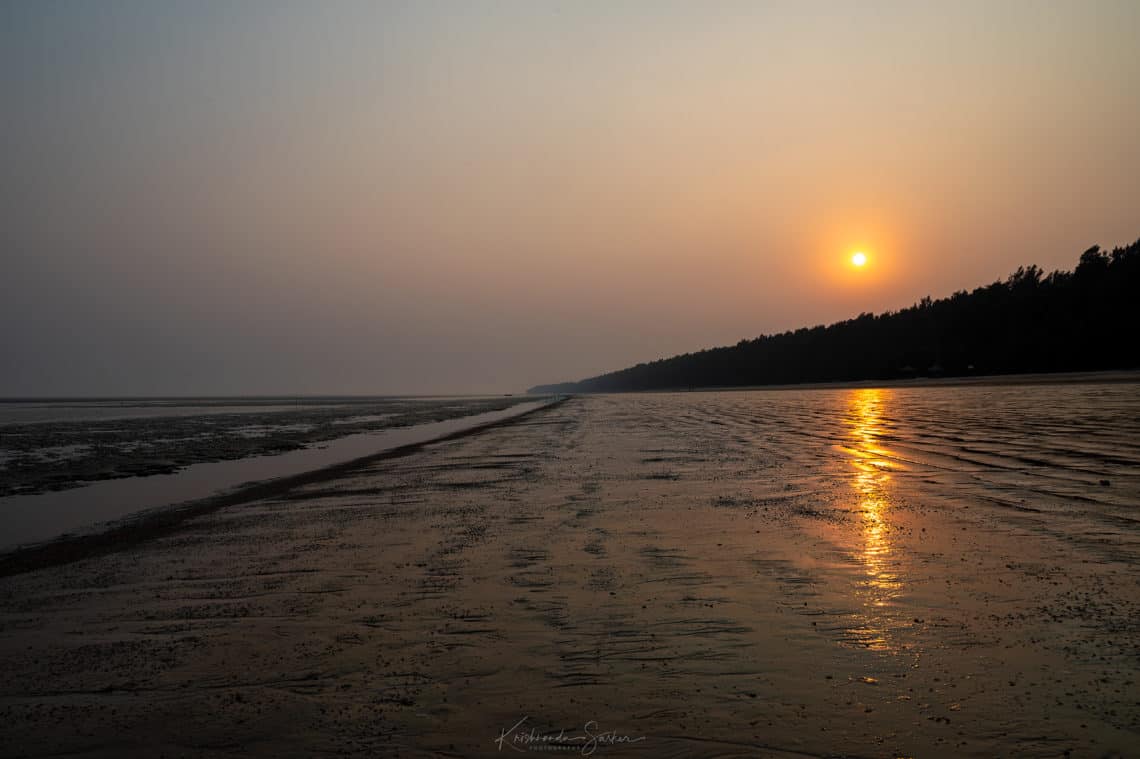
(519, 738)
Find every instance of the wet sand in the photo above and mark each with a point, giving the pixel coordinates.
(879, 573)
(51, 446)
(77, 517)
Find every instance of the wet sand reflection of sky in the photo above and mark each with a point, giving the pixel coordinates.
(873, 464)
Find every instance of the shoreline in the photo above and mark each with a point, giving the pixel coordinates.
(56, 447)
(156, 521)
(1112, 376)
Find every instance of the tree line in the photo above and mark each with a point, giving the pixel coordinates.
(1080, 320)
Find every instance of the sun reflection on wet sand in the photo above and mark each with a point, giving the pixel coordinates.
(872, 482)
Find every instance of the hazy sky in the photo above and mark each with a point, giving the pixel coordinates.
(244, 197)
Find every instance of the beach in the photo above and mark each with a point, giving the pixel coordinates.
(74, 470)
(942, 571)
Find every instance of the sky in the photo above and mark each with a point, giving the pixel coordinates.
(453, 197)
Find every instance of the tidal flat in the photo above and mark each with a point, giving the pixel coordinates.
(928, 572)
(59, 445)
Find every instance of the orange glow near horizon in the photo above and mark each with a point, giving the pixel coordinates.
(882, 279)
(458, 187)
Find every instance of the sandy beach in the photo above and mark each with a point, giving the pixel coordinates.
(863, 573)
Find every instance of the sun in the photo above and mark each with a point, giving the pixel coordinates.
(858, 258)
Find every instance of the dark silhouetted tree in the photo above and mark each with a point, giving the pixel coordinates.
(1084, 320)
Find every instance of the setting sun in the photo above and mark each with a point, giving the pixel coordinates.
(859, 258)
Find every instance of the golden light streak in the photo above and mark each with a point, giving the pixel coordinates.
(873, 464)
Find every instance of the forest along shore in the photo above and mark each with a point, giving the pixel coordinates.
(872, 572)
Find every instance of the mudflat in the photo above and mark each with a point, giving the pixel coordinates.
(60, 445)
(861, 572)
